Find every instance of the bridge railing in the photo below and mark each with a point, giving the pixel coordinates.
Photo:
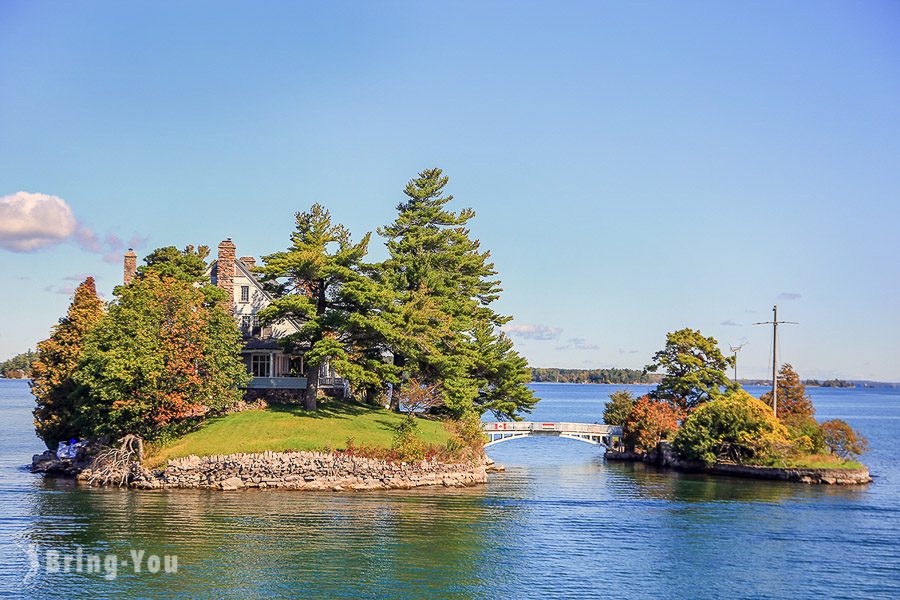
(562, 427)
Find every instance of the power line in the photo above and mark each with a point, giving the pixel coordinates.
(734, 351)
(775, 323)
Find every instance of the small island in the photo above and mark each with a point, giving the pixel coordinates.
(698, 420)
(313, 369)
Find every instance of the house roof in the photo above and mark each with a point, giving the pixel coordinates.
(211, 271)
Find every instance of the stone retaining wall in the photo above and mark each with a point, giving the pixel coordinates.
(302, 471)
(663, 456)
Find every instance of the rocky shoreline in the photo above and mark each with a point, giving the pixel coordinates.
(280, 470)
(663, 457)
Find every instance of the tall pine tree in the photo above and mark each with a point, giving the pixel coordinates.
(435, 264)
(56, 393)
(322, 283)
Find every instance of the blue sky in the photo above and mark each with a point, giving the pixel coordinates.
(635, 167)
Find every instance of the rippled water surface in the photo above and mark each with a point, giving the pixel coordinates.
(560, 522)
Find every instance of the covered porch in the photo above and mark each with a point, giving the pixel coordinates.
(273, 369)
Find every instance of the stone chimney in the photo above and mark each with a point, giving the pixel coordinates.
(248, 261)
(130, 266)
(225, 269)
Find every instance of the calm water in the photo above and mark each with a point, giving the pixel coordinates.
(559, 522)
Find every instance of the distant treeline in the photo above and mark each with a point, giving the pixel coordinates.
(829, 383)
(593, 376)
(19, 366)
(835, 383)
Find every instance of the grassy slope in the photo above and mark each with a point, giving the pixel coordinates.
(819, 461)
(291, 428)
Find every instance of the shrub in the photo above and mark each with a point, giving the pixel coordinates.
(467, 439)
(407, 446)
(842, 440)
(736, 428)
(650, 421)
(617, 409)
(805, 434)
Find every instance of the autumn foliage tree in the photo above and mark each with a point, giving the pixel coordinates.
(793, 400)
(842, 440)
(650, 421)
(163, 357)
(54, 389)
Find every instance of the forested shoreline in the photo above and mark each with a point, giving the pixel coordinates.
(622, 376)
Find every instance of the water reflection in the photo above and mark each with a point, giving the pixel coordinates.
(662, 484)
(560, 521)
(354, 541)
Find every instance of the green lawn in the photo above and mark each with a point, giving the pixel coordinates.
(280, 428)
(818, 461)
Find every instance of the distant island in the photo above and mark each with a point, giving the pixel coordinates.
(835, 383)
(19, 366)
(637, 376)
(829, 383)
(622, 376)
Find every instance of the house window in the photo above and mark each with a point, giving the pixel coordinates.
(260, 365)
(246, 324)
(245, 293)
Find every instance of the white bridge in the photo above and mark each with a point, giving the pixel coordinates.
(501, 431)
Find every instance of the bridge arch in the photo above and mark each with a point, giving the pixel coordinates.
(591, 433)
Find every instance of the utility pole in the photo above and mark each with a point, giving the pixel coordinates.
(775, 323)
(734, 351)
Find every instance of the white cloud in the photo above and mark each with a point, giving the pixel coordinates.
(730, 323)
(532, 331)
(789, 296)
(578, 344)
(29, 221)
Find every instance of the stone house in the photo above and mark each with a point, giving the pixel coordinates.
(274, 370)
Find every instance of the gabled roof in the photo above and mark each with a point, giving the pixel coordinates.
(240, 266)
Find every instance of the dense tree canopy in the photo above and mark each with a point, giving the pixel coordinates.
(624, 376)
(188, 264)
(55, 390)
(734, 427)
(694, 370)
(162, 357)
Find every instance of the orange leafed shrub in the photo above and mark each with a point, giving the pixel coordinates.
(650, 421)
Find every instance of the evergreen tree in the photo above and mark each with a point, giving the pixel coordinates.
(322, 283)
(695, 370)
(56, 394)
(435, 265)
(500, 374)
(618, 408)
